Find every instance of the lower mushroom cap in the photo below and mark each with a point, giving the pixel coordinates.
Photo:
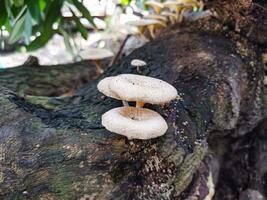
(134, 123)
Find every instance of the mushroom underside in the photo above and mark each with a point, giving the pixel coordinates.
(134, 123)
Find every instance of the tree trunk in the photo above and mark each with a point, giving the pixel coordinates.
(247, 17)
(65, 153)
(33, 79)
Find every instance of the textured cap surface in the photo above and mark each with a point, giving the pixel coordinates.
(145, 22)
(103, 87)
(154, 3)
(138, 63)
(131, 87)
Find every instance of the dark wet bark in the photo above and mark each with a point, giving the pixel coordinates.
(243, 173)
(247, 17)
(65, 153)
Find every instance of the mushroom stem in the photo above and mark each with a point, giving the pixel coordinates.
(172, 20)
(125, 103)
(151, 29)
(138, 69)
(140, 104)
(98, 66)
(141, 30)
(157, 10)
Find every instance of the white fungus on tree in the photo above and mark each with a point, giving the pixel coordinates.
(136, 122)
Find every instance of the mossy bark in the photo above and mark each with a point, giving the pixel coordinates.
(37, 80)
(65, 153)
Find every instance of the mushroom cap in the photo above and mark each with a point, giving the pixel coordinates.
(154, 4)
(145, 22)
(96, 54)
(131, 87)
(168, 4)
(138, 63)
(264, 57)
(188, 3)
(103, 87)
(134, 123)
(169, 14)
(157, 17)
(172, 16)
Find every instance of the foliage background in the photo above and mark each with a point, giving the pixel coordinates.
(34, 22)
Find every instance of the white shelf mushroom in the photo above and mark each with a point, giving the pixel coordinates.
(96, 55)
(142, 89)
(156, 17)
(136, 122)
(180, 6)
(151, 24)
(156, 6)
(103, 87)
(176, 7)
(172, 17)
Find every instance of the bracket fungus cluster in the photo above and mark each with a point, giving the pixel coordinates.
(96, 55)
(136, 122)
(150, 24)
(171, 11)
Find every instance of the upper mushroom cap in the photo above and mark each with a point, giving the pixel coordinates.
(168, 13)
(145, 22)
(157, 17)
(103, 87)
(131, 87)
(96, 54)
(138, 63)
(154, 4)
(134, 123)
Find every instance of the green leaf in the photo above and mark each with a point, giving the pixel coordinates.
(42, 4)
(28, 27)
(84, 11)
(125, 2)
(3, 13)
(17, 30)
(34, 9)
(9, 11)
(68, 45)
(40, 41)
(80, 26)
(20, 14)
(18, 3)
(18, 27)
(52, 13)
(7, 26)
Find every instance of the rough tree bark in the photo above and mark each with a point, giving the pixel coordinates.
(33, 79)
(63, 152)
(247, 17)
